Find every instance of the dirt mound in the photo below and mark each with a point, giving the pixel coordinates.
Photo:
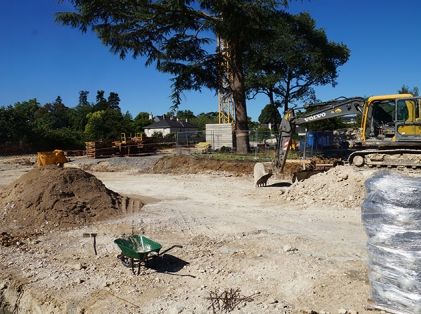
(341, 186)
(51, 197)
(189, 164)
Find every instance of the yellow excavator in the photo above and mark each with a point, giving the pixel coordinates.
(390, 132)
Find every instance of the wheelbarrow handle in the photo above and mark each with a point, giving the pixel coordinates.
(170, 248)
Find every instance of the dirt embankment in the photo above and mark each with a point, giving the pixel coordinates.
(191, 165)
(53, 197)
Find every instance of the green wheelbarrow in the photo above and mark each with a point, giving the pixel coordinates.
(137, 249)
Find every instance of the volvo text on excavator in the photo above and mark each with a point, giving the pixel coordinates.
(390, 132)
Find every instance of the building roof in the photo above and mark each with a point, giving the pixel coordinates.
(170, 123)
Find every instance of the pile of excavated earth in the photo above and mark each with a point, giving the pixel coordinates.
(341, 186)
(52, 197)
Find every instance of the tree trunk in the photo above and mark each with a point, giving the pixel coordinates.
(239, 97)
(287, 92)
(271, 97)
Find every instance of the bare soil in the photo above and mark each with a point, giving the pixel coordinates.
(341, 186)
(190, 165)
(185, 164)
(291, 255)
(52, 197)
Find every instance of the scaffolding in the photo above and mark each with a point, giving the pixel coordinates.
(226, 112)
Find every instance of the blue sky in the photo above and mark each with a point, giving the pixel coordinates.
(42, 59)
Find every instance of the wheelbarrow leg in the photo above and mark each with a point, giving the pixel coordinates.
(138, 268)
(132, 264)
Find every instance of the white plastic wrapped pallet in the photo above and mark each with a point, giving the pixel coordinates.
(391, 214)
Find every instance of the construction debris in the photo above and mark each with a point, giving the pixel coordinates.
(126, 146)
(99, 149)
(203, 147)
(227, 300)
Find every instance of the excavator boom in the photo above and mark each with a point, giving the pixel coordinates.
(336, 108)
(327, 110)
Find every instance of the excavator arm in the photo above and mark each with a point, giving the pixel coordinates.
(327, 110)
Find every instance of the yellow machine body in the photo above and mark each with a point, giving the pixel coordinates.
(55, 157)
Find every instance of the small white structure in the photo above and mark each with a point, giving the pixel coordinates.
(219, 135)
(167, 126)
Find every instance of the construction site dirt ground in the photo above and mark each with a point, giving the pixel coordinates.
(288, 255)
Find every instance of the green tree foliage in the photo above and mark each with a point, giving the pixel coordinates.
(93, 129)
(106, 121)
(127, 124)
(171, 113)
(252, 124)
(54, 125)
(113, 101)
(301, 57)
(185, 115)
(25, 120)
(7, 124)
(141, 120)
(83, 98)
(202, 119)
(175, 36)
(53, 116)
(270, 114)
(101, 102)
(42, 127)
(407, 90)
(19, 121)
(64, 138)
(79, 115)
(103, 125)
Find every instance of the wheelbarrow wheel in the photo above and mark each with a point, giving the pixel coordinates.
(125, 260)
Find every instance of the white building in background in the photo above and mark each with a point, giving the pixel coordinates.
(167, 126)
(220, 135)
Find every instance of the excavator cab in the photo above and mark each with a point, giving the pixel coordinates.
(380, 124)
(408, 119)
(391, 119)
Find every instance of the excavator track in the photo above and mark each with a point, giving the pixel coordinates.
(389, 158)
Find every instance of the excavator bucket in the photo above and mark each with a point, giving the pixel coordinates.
(262, 172)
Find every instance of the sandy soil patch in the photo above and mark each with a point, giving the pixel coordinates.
(291, 257)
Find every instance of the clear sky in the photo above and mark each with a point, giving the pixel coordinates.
(42, 59)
